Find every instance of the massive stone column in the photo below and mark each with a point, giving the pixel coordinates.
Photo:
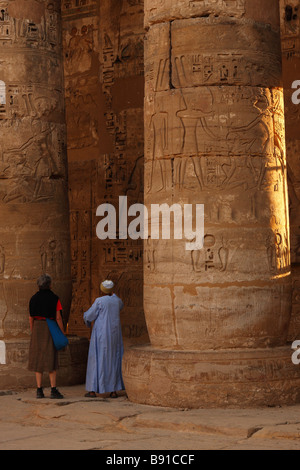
(34, 216)
(214, 128)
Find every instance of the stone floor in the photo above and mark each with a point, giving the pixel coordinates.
(79, 423)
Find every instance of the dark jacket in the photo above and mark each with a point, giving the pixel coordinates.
(43, 304)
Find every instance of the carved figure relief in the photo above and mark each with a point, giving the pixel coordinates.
(207, 128)
(278, 252)
(213, 256)
(32, 101)
(31, 168)
(52, 258)
(78, 53)
(290, 27)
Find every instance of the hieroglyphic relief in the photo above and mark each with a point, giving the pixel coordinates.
(75, 7)
(213, 256)
(225, 139)
(81, 50)
(80, 47)
(122, 60)
(32, 101)
(5, 25)
(290, 24)
(100, 37)
(121, 252)
(81, 176)
(197, 124)
(82, 114)
(119, 178)
(26, 33)
(53, 258)
(92, 259)
(32, 167)
(234, 4)
(227, 68)
(165, 9)
(204, 63)
(278, 251)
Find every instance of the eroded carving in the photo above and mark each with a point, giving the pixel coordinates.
(214, 255)
(2, 260)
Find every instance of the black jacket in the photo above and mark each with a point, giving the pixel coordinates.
(43, 304)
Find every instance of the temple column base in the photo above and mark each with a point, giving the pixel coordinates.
(14, 359)
(236, 378)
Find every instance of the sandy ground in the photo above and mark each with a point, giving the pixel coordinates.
(103, 423)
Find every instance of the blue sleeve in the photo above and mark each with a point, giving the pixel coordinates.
(92, 313)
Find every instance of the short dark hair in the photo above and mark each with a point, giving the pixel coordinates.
(44, 282)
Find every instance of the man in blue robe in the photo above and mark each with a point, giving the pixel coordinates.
(104, 368)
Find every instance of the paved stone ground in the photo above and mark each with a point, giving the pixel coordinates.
(102, 423)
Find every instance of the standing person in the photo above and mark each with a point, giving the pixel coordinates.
(104, 368)
(43, 357)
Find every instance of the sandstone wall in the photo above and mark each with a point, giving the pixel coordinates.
(104, 89)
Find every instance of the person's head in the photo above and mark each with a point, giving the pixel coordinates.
(107, 287)
(44, 282)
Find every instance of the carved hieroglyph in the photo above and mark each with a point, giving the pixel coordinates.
(34, 233)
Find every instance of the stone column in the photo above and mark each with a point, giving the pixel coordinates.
(214, 125)
(34, 216)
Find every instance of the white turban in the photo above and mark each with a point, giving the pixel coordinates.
(107, 286)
